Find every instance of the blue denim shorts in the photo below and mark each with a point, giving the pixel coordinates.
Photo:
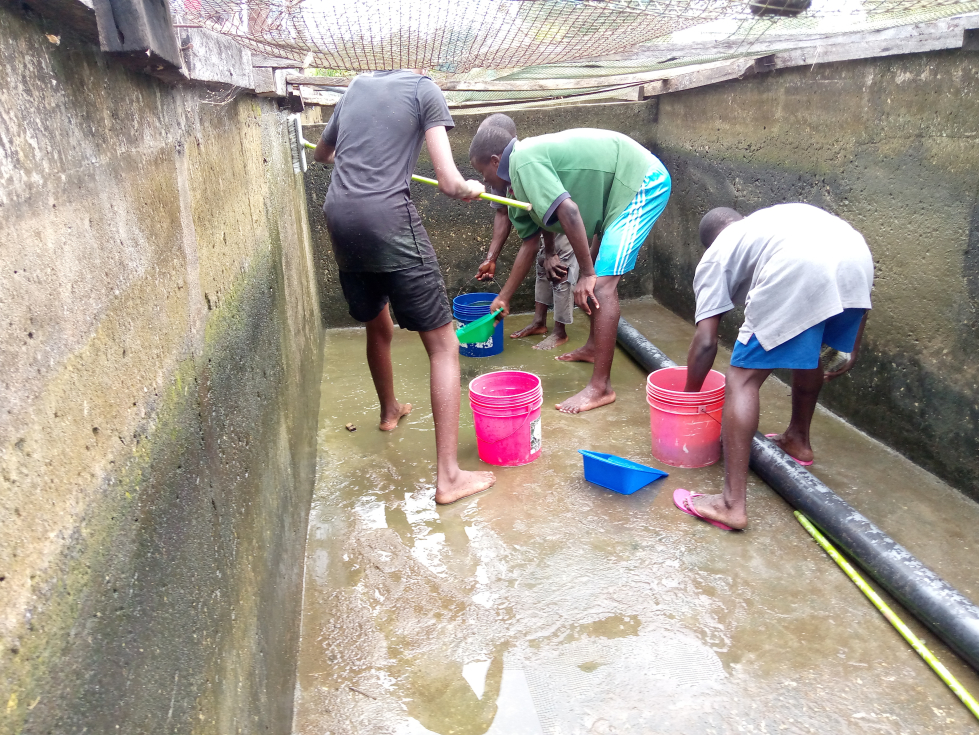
(802, 351)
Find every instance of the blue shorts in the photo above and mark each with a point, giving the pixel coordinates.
(623, 238)
(802, 351)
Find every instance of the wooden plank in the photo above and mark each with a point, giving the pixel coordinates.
(773, 41)
(543, 85)
(263, 81)
(318, 81)
(835, 52)
(138, 28)
(273, 62)
(215, 59)
(701, 76)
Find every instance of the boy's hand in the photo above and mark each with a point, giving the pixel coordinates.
(584, 293)
(487, 270)
(500, 303)
(472, 190)
(842, 371)
(556, 270)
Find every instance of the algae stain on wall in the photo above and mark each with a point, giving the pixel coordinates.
(160, 343)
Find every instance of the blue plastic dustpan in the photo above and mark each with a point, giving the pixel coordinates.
(617, 473)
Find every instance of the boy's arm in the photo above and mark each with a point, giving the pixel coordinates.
(574, 228)
(501, 231)
(853, 355)
(703, 350)
(324, 152)
(450, 180)
(521, 267)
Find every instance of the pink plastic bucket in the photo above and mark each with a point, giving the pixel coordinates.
(506, 409)
(685, 427)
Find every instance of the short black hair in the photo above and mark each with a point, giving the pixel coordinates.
(715, 221)
(499, 120)
(489, 141)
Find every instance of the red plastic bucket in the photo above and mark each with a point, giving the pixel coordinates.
(506, 408)
(685, 427)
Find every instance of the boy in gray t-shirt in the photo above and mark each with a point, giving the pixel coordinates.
(804, 277)
(383, 252)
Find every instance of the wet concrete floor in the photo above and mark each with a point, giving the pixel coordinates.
(548, 605)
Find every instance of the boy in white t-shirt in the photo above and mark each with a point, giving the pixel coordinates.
(804, 277)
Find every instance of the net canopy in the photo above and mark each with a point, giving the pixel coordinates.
(490, 39)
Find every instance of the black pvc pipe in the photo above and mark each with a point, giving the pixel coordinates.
(942, 608)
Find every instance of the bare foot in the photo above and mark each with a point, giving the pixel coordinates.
(392, 423)
(585, 353)
(462, 486)
(532, 328)
(549, 343)
(714, 507)
(586, 400)
(795, 449)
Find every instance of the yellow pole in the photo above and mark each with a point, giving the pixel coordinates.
(936, 665)
(488, 197)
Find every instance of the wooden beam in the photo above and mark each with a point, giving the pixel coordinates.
(140, 32)
(274, 62)
(702, 76)
(318, 81)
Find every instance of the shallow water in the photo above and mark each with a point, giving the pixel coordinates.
(548, 605)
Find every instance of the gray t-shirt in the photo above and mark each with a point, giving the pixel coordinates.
(377, 128)
(791, 265)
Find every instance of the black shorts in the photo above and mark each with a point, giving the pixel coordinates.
(416, 294)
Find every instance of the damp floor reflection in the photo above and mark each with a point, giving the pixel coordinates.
(548, 605)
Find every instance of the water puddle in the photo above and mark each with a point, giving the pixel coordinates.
(549, 606)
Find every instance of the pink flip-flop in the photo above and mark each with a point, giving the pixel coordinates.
(804, 464)
(683, 499)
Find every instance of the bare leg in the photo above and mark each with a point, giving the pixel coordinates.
(538, 326)
(380, 331)
(604, 326)
(805, 392)
(739, 425)
(451, 483)
(557, 338)
(585, 353)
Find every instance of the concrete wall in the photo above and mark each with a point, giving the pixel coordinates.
(892, 146)
(159, 369)
(461, 232)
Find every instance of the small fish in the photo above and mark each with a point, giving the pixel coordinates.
(833, 360)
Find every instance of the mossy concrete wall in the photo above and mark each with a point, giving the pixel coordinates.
(892, 146)
(159, 368)
(461, 232)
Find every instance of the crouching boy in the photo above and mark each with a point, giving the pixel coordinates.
(804, 277)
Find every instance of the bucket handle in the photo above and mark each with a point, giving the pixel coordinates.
(466, 284)
(703, 410)
(519, 427)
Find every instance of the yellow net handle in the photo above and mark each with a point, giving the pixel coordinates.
(488, 197)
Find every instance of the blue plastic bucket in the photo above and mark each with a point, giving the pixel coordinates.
(469, 307)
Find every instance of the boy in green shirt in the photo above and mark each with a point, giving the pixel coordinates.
(587, 184)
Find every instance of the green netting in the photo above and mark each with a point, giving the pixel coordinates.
(523, 39)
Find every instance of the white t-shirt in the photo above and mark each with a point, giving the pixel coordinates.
(791, 265)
